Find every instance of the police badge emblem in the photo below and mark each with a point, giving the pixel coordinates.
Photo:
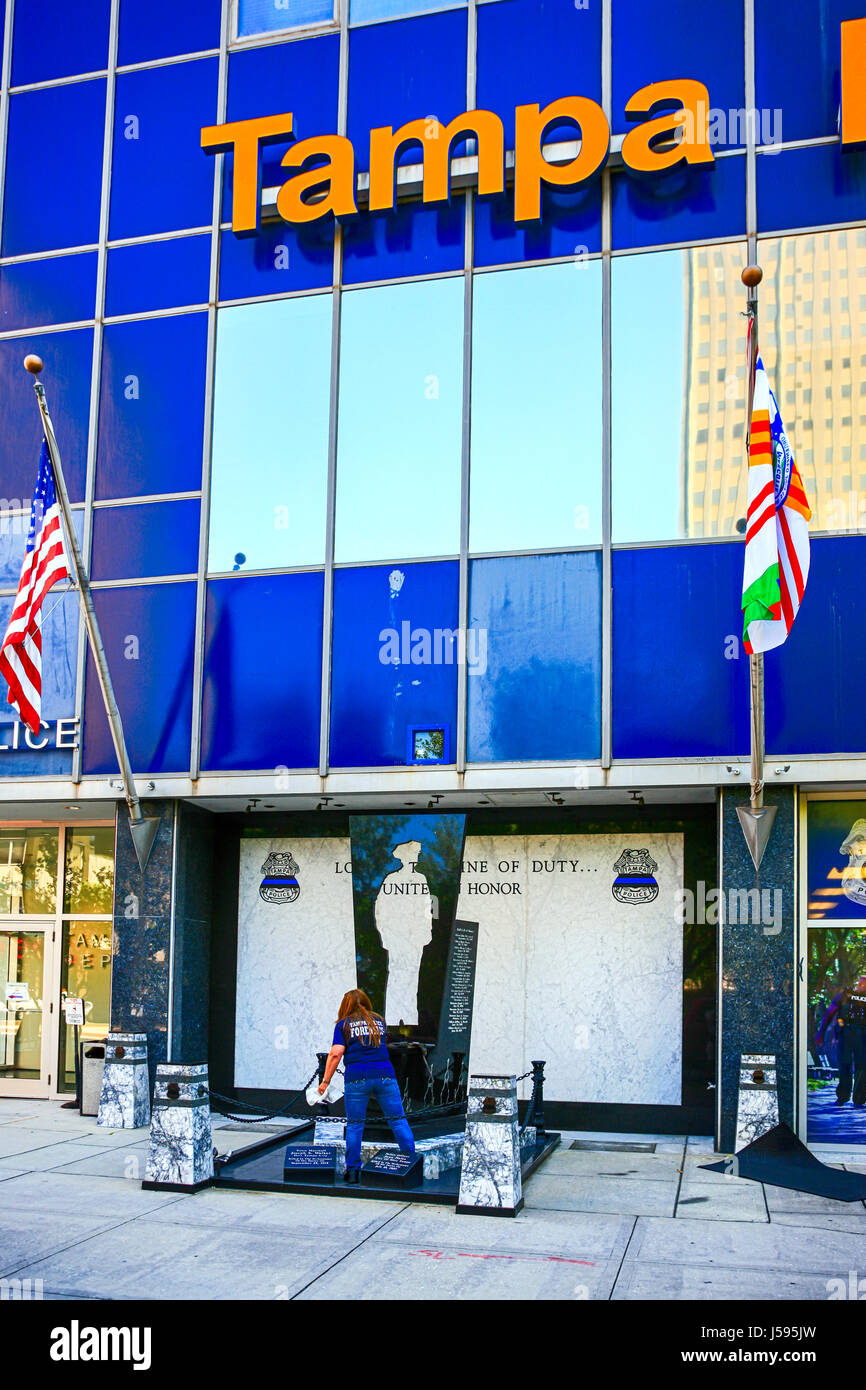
(279, 884)
(634, 882)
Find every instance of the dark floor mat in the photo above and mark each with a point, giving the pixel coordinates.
(780, 1159)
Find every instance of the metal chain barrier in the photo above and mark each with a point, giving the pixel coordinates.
(259, 1116)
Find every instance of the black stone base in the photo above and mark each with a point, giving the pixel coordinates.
(262, 1170)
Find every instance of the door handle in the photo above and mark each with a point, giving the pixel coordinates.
(800, 969)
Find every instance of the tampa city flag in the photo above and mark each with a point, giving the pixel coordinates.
(777, 528)
(44, 564)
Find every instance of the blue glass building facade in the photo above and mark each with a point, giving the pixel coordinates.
(282, 448)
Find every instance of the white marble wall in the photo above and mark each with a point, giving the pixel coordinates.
(295, 962)
(568, 974)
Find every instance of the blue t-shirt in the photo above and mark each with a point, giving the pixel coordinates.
(361, 1059)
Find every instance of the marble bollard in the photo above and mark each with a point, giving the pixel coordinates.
(490, 1177)
(124, 1101)
(180, 1154)
(758, 1100)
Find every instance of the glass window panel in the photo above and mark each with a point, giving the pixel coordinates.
(363, 11)
(68, 359)
(376, 704)
(249, 720)
(152, 538)
(71, 119)
(519, 654)
(685, 204)
(537, 50)
(145, 33)
(158, 275)
(269, 466)
(264, 16)
(411, 240)
(23, 754)
(22, 962)
(646, 51)
(797, 63)
(148, 632)
(672, 316)
(88, 870)
(401, 386)
(816, 362)
(278, 260)
(400, 72)
(570, 225)
(815, 185)
(308, 73)
(59, 289)
(536, 408)
(56, 39)
(85, 973)
(28, 871)
(151, 406)
(160, 180)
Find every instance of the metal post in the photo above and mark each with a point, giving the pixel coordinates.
(142, 828)
(756, 819)
(537, 1117)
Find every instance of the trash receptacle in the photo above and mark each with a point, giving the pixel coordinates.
(92, 1065)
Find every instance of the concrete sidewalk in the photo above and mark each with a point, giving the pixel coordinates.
(596, 1225)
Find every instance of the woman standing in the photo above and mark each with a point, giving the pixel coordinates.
(360, 1035)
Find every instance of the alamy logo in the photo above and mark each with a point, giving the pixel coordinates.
(77, 1343)
(634, 882)
(279, 884)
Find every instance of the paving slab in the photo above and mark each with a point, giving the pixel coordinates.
(585, 1163)
(672, 1283)
(52, 1155)
(733, 1200)
(59, 1192)
(190, 1262)
(622, 1196)
(129, 1161)
(592, 1236)
(27, 1235)
(289, 1213)
(415, 1273)
(742, 1244)
(14, 1140)
(787, 1199)
(854, 1220)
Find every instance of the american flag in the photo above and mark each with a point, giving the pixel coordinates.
(44, 564)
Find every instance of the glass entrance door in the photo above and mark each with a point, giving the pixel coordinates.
(27, 1013)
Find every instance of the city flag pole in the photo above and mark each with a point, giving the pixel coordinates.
(756, 819)
(142, 828)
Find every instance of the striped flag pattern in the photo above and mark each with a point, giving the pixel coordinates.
(44, 565)
(776, 563)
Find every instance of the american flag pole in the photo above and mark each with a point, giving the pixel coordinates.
(142, 828)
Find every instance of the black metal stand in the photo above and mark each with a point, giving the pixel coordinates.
(536, 1105)
(76, 1103)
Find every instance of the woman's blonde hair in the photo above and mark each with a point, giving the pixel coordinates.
(356, 1004)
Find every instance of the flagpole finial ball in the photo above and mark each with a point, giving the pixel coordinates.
(33, 363)
(752, 276)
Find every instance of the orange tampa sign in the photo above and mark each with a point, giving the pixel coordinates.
(673, 120)
(660, 142)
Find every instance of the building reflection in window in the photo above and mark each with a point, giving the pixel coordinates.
(678, 376)
(536, 408)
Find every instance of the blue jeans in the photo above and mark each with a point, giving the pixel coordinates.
(387, 1093)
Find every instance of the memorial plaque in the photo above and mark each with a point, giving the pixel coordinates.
(390, 1168)
(310, 1163)
(455, 1024)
